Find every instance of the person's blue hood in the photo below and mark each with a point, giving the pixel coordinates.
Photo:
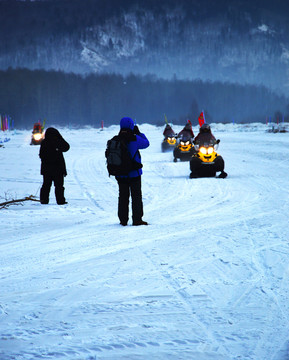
(126, 123)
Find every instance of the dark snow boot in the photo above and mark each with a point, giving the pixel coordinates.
(141, 222)
(223, 175)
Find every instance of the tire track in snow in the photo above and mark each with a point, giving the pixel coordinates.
(188, 304)
(261, 285)
(83, 185)
(257, 288)
(227, 201)
(90, 174)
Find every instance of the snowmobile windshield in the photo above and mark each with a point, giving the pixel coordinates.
(169, 135)
(185, 138)
(212, 144)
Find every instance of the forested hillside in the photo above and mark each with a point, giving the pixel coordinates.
(226, 40)
(71, 99)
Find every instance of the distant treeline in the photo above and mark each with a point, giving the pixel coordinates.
(70, 99)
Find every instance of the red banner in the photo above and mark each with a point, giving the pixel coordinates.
(201, 119)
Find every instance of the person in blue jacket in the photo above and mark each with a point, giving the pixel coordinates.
(131, 184)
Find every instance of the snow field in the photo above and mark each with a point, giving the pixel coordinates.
(207, 279)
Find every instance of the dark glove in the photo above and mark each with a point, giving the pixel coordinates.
(136, 130)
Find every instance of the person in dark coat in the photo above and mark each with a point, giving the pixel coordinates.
(205, 136)
(131, 184)
(53, 166)
(187, 132)
(168, 131)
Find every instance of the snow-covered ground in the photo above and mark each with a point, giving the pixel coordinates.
(207, 279)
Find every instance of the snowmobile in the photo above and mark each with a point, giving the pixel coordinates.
(184, 150)
(169, 143)
(206, 162)
(37, 134)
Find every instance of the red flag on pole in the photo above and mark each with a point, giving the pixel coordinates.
(201, 119)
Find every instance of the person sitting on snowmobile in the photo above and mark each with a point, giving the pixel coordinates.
(168, 131)
(187, 132)
(37, 128)
(169, 140)
(205, 136)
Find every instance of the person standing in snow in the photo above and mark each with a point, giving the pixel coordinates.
(53, 166)
(131, 183)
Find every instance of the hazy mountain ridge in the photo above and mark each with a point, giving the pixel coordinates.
(233, 41)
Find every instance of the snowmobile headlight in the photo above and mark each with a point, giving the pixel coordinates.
(37, 137)
(182, 143)
(169, 138)
(210, 150)
(187, 143)
(203, 150)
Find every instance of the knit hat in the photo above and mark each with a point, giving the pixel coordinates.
(126, 123)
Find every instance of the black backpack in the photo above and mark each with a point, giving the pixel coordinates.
(118, 160)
